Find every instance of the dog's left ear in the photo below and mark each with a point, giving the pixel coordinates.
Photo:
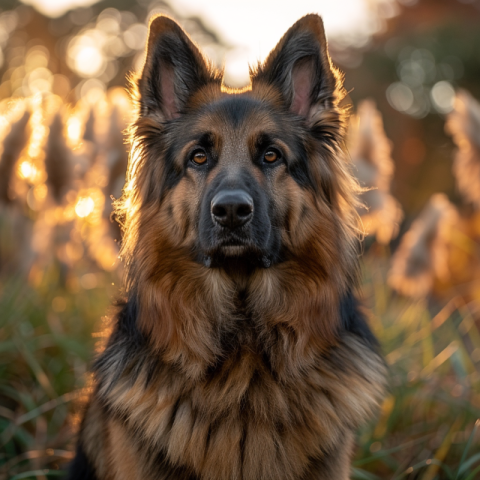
(174, 69)
(301, 68)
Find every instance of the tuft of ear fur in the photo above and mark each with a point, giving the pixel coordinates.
(174, 70)
(300, 67)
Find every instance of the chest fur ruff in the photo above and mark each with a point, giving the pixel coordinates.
(241, 422)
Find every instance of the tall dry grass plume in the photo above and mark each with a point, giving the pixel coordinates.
(370, 151)
(463, 123)
(422, 255)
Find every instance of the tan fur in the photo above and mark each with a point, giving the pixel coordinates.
(282, 424)
(95, 437)
(328, 233)
(239, 374)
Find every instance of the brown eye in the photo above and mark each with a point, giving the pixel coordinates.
(199, 157)
(271, 156)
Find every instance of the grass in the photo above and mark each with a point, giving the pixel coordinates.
(427, 428)
(46, 345)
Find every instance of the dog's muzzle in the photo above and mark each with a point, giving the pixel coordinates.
(232, 208)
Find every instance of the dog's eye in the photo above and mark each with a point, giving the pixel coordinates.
(271, 156)
(199, 157)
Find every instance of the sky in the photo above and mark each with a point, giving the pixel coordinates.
(255, 26)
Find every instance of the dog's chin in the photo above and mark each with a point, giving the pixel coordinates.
(233, 250)
(227, 256)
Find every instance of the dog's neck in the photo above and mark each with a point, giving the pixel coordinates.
(240, 271)
(185, 309)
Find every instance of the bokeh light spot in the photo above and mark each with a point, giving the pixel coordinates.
(59, 304)
(92, 91)
(443, 96)
(400, 96)
(135, 36)
(85, 54)
(28, 171)
(88, 281)
(84, 207)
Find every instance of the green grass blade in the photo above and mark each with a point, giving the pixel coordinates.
(467, 448)
(473, 475)
(358, 474)
(35, 473)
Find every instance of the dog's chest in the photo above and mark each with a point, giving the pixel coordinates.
(240, 421)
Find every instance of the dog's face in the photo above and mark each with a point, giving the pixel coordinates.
(237, 163)
(248, 175)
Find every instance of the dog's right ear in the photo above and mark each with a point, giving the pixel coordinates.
(174, 69)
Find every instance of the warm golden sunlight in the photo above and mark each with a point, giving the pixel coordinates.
(250, 37)
(369, 201)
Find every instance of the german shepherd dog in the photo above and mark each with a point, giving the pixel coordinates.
(239, 352)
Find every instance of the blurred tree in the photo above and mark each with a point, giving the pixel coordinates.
(87, 48)
(427, 50)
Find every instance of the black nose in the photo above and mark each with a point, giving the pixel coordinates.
(232, 208)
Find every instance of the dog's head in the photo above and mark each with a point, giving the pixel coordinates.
(238, 197)
(251, 174)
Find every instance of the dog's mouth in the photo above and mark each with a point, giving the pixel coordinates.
(235, 248)
(235, 259)
(232, 242)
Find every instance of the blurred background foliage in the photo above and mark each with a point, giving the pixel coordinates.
(414, 140)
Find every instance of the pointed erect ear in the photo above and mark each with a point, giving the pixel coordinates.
(301, 68)
(174, 69)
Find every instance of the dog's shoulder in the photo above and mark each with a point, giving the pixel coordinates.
(354, 320)
(81, 468)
